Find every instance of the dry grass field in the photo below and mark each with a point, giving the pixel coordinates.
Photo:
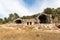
(15, 34)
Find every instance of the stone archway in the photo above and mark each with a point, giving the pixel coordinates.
(18, 21)
(58, 26)
(43, 19)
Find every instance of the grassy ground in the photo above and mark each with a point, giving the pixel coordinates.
(9, 34)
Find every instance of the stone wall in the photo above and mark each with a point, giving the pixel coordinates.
(36, 27)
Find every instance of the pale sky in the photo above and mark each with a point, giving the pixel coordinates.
(25, 7)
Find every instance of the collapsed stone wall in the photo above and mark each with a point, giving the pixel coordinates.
(36, 27)
(42, 21)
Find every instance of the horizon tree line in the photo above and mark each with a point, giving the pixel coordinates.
(11, 17)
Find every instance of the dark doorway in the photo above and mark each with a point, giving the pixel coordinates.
(30, 23)
(58, 26)
(43, 19)
(18, 21)
(27, 23)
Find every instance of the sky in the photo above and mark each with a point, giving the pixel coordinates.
(25, 7)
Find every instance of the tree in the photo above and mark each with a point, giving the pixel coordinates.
(54, 13)
(16, 16)
(34, 16)
(11, 17)
(29, 17)
(48, 11)
(26, 17)
(58, 10)
(51, 11)
(1, 20)
(6, 20)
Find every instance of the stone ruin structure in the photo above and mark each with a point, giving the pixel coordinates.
(42, 20)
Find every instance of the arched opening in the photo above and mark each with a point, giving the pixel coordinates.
(42, 19)
(30, 23)
(27, 23)
(58, 26)
(18, 21)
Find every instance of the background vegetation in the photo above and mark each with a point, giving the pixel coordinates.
(52, 11)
